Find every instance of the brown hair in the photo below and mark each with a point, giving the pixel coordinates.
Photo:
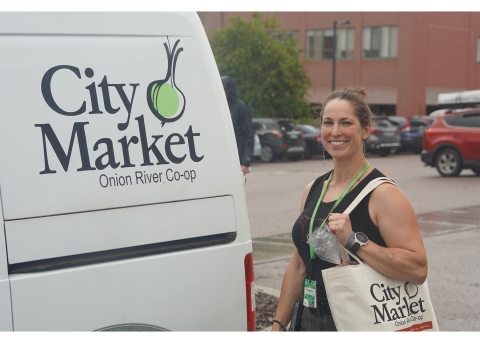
(356, 97)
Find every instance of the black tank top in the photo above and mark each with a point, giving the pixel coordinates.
(359, 217)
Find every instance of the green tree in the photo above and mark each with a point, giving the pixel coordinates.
(264, 63)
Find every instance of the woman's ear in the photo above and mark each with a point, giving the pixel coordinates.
(366, 132)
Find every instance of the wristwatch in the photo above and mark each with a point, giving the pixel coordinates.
(360, 239)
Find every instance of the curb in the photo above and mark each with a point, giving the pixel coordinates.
(270, 291)
(266, 290)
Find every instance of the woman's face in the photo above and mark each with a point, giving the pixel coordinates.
(342, 133)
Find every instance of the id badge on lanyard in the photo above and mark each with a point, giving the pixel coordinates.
(310, 293)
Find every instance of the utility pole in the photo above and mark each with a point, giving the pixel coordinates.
(339, 22)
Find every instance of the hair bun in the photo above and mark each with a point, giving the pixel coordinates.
(359, 90)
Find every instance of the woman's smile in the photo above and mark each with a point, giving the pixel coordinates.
(337, 143)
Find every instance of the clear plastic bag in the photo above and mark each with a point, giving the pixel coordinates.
(325, 245)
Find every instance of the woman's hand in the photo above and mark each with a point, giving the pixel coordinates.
(340, 225)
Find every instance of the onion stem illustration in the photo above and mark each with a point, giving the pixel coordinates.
(163, 98)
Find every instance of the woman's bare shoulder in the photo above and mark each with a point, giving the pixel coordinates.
(387, 191)
(309, 186)
(388, 200)
(305, 195)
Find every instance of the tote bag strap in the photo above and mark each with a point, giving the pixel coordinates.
(368, 188)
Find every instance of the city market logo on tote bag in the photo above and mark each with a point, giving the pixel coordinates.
(362, 299)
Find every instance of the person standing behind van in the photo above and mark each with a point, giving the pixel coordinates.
(242, 123)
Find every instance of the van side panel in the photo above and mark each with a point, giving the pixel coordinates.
(79, 111)
(82, 233)
(134, 291)
(3, 252)
(5, 305)
(115, 135)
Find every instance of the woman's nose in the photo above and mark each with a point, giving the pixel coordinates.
(336, 130)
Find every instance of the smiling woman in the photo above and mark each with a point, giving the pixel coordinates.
(341, 131)
(391, 242)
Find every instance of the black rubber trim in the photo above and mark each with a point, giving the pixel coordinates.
(120, 254)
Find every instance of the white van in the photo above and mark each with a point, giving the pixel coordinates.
(122, 200)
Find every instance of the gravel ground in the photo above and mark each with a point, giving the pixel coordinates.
(265, 308)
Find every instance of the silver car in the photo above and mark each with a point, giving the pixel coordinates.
(384, 138)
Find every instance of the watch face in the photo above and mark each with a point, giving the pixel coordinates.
(361, 237)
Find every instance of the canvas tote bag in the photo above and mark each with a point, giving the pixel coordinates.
(362, 299)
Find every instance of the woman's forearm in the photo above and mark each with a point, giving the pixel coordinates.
(397, 263)
(291, 291)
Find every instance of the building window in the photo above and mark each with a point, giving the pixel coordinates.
(478, 50)
(320, 44)
(380, 42)
(294, 34)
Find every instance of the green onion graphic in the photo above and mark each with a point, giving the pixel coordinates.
(163, 96)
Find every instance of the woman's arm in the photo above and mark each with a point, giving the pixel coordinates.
(291, 291)
(292, 285)
(404, 258)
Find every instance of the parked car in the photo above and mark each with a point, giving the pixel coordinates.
(427, 119)
(312, 139)
(279, 138)
(411, 132)
(257, 147)
(384, 137)
(452, 143)
(439, 112)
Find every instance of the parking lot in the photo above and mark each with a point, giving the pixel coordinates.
(447, 211)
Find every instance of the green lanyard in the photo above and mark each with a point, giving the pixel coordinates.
(312, 252)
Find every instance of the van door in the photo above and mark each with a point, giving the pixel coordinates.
(5, 305)
(123, 201)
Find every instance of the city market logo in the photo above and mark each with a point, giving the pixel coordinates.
(402, 305)
(163, 95)
(164, 99)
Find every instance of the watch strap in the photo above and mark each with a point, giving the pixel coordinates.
(350, 241)
(354, 248)
(358, 243)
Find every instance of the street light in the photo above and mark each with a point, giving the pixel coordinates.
(335, 23)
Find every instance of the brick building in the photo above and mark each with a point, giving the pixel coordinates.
(402, 59)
